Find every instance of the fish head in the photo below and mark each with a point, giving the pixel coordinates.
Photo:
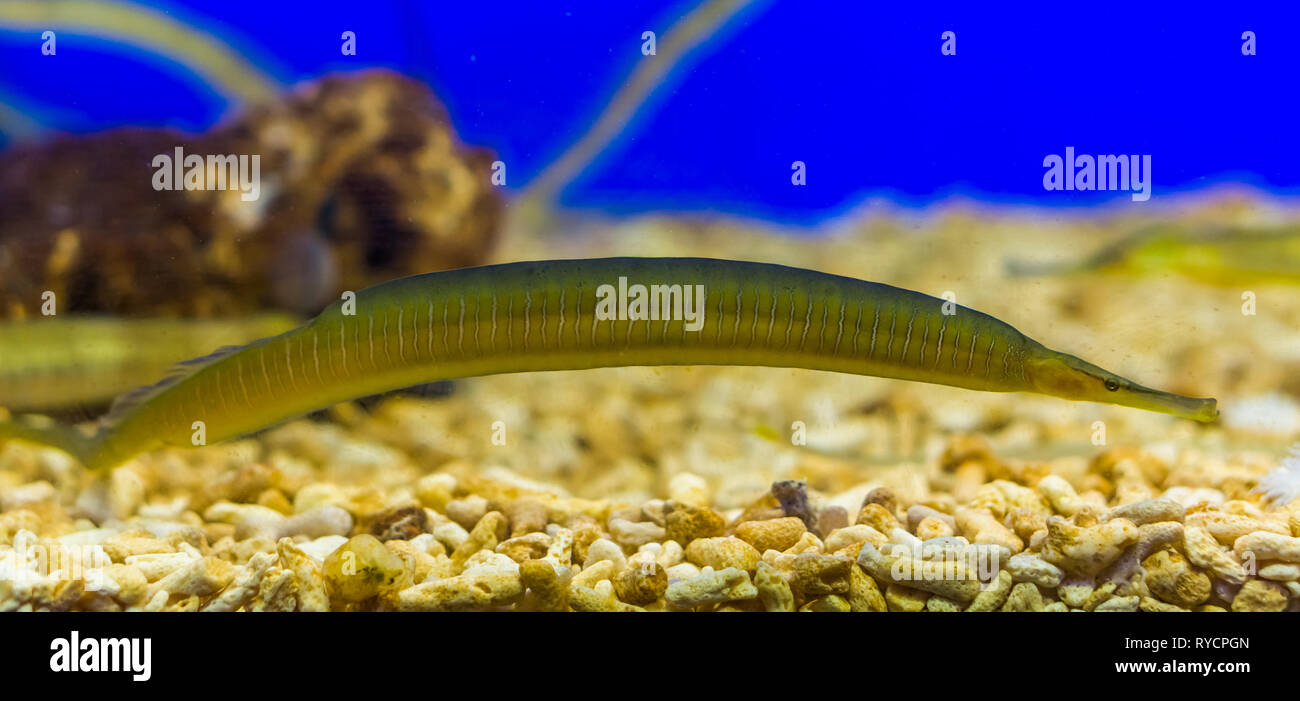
(1066, 376)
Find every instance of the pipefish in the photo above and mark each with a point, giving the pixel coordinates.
(1221, 257)
(542, 315)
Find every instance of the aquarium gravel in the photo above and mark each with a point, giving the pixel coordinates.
(315, 517)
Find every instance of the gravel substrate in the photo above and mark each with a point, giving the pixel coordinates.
(269, 537)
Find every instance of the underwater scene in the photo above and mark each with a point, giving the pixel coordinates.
(698, 305)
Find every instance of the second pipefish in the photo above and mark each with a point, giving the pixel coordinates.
(541, 315)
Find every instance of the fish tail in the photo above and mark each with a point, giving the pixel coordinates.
(41, 432)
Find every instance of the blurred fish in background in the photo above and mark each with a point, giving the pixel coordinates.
(1233, 257)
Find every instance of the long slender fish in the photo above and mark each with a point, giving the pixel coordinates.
(1222, 257)
(61, 362)
(556, 315)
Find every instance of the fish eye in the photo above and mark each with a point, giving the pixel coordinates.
(1112, 385)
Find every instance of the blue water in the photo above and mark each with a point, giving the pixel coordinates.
(858, 91)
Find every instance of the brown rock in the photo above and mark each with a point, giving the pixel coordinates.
(864, 593)
(686, 523)
(883, 496)
(529, 546)
(831, 519)
(545, 590)
(819, 575)
(878, 517)
(774, 534)
(641, 585)
(362, 568)
(1172, 579)
(585, 532)
(1259, 595)
(401, 523)
(905, 599)
(721, 553)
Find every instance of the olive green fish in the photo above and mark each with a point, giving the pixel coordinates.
(63, 362)
(1225, 258)
(576, 314)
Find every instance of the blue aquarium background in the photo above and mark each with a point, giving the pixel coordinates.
(858, 91)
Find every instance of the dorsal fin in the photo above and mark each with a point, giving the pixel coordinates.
(125, 403)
